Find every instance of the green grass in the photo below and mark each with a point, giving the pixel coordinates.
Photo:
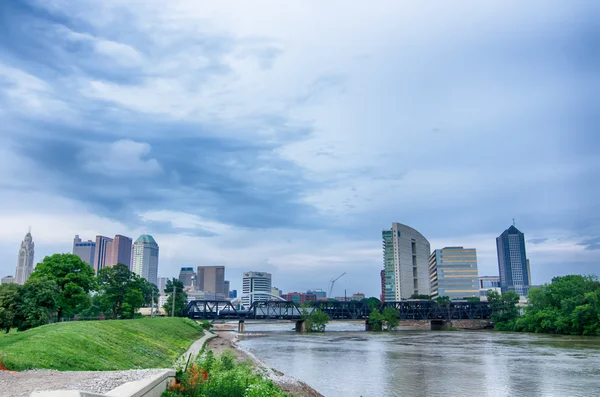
(100, 345)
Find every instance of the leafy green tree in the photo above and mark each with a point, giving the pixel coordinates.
(391, 318)
(75, 280)
(180, 298)
(568, 305)
(316, 321)
(504, 309)
(9, 305)
(421, 297)
(372, 302)
(376, 320)
(38, 303)
(121, 292)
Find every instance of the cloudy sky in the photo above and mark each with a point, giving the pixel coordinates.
(283, 136)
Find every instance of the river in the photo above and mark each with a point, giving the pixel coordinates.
(344, 362)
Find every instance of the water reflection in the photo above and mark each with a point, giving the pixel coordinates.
(424, 363)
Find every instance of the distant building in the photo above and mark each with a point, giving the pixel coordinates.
(8, 280)
(319, 293)
(187, 276)
(226, 289)
(100, 252)
(357, 297)
(145, 257)
(299, 298)
(211, 279)
(255, 283)
(512, 261)
(119, 251)
(233, 294)
(84, 250)
(162, 300)
(276, 291)
(342, 298)
(162, 284)
(406, 262)
(453, 273)
(487, 283)
(25, 259)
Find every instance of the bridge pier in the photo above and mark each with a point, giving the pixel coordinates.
(440, 325)
(368, 326)
(300, 326)
(241, 327)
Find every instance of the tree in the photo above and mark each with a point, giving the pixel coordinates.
(421, 297)
(121, 291)
(180, 298)
(38, 303)
(391, 318)
(74, 278)
(316, 321)
(568, 305)
(9, 305)
(372, 302)
(376, 320)
(504, 309)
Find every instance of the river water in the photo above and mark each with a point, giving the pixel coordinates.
(346, 362)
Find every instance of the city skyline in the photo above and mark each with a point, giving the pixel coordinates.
(244, 137)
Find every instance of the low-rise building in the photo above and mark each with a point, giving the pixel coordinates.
(357, 297)
(299, 298)
(8, 280)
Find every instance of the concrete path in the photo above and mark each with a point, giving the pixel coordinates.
(194, 349)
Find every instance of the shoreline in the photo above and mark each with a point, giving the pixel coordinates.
(227, 338)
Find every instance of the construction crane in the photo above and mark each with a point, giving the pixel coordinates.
(333, 280)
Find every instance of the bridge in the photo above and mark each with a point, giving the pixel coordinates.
(352, 310)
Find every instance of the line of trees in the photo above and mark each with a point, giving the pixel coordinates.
(568, 305)
(63, 286)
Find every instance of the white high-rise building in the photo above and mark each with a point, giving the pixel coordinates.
(406, 263)
(25, 261)
(254, 282)
(145, 258)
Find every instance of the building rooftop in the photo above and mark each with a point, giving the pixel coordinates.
(146, 238)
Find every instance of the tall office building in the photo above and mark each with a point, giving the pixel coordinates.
(25, 260)
(453, 273)
(406, 262)
(187, 276)
(255, 282)
(84, 250)
(102, 244)
(512, 261)
(119, 251)
(211, 279)
(145, 257)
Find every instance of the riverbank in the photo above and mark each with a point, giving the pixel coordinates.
(227, 339)
(106, 345)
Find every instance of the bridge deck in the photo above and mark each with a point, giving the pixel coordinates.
(287, 310)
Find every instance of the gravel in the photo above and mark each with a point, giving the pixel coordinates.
(26, 382)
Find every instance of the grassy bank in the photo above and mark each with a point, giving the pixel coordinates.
(100, 345)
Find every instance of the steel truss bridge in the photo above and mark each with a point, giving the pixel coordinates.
(353, 310)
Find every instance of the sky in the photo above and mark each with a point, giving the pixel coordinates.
(285, 136)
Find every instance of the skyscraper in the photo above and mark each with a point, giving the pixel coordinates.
(145, 257)
(84, 250)
(453, 273)
(119, 251)
(162, 284)
(211, 279)
(25, 261)
(187, 276)
(226, 288)
(406, 262)
(253, 282)
(102, 244)
(512, 261)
